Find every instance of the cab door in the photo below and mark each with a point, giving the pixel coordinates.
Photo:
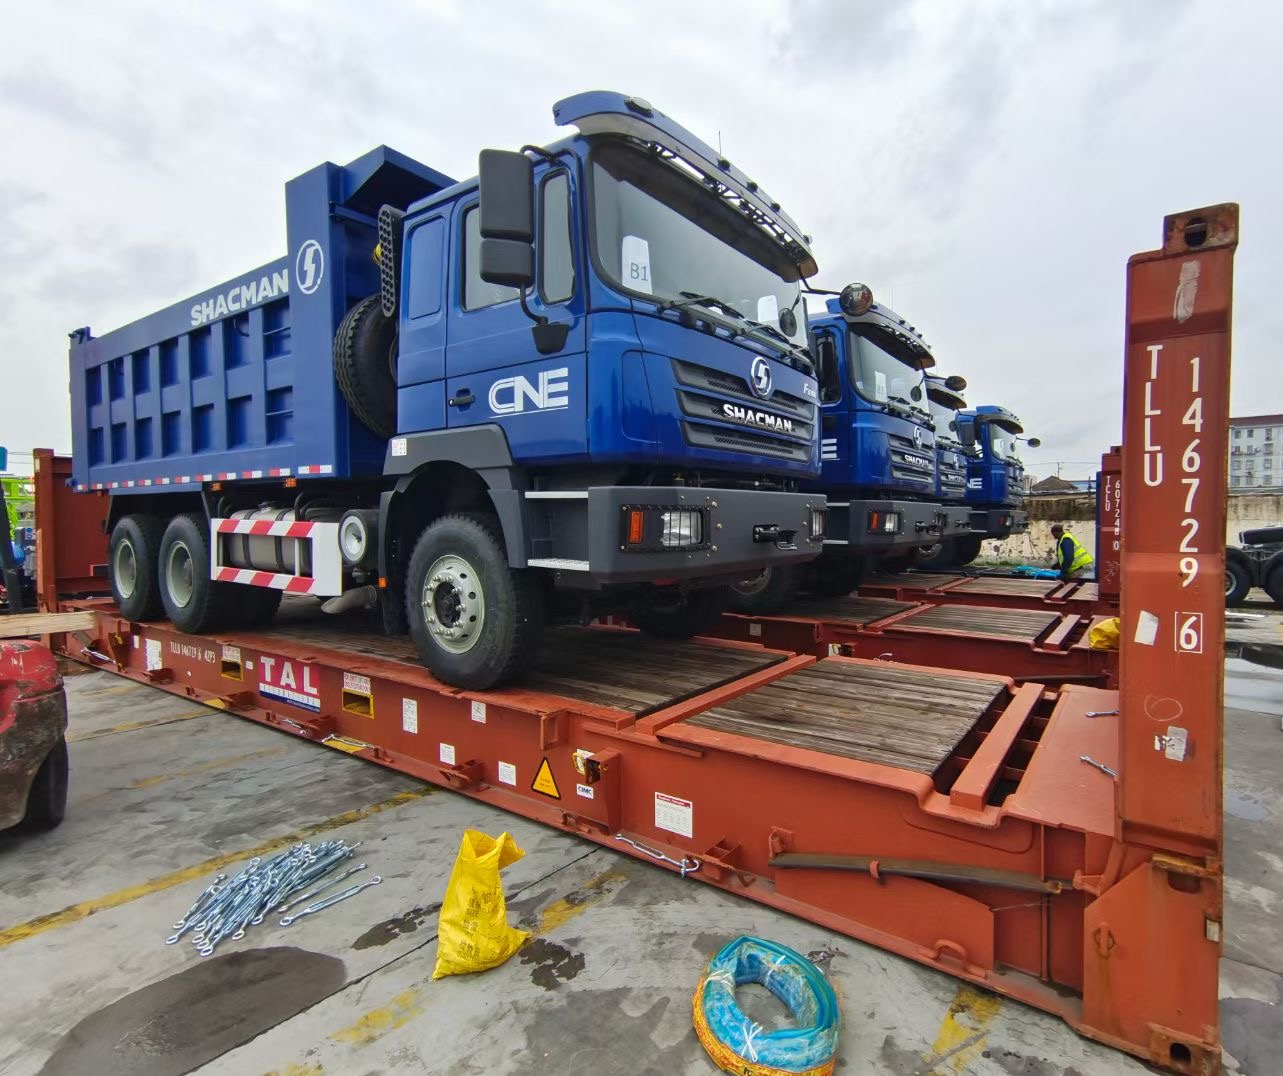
(494, 372)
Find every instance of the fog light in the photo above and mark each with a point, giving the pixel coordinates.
(817, 523)
(884, 522)
(682, 527)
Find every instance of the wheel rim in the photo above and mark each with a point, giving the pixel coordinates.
(454, 605)
(1229, 582)
(180, 575)
(125, 569)
(930, 552)
(755, 585)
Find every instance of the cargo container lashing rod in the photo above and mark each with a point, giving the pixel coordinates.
(1011, 863)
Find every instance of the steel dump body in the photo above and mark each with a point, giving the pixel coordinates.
(236, 382)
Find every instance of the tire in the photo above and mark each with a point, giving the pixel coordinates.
(1272, 578)
(365, 365)
(941, 554)
(133, 557)
(768, 592)
(252, 607)
(466, 549)
(193, 602)
(47, 798)
(1262, 536)
(965, 550)
(836, 577)
(677, 615)
(1238, 578)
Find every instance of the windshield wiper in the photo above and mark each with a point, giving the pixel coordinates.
(690, 298)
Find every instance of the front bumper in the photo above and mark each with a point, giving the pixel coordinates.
(33, 718)
(999, 522)
(861, 525)
(740, 532)
(955, 521)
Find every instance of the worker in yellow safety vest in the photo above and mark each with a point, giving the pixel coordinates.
(1072, 558)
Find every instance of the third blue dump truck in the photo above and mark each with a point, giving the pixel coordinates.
(877, 452)
(995, 476)
(956, 450)
(574, 384)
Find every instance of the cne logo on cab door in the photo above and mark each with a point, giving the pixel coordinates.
(290, 681)
(549, 392)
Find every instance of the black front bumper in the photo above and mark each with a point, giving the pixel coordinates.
(586, 538)
(999, 522)
(955, 521)
(860, 525)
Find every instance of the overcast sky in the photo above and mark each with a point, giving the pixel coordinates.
(986, 167)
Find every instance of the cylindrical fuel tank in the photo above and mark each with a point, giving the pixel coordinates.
(268, 553)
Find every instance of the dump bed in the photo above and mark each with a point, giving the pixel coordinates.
(236, 381)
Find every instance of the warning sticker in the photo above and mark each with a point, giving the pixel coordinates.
(674, 814)
(409, 715)
(507, 773)
(545, 782)
(447, 753)
(479, 712)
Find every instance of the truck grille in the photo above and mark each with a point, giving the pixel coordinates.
(909, 463)
(953, 476)
(781, 427)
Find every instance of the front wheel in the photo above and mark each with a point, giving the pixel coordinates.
(936, 555)
(1273, 578)
(672, 614)
(475, 621)
(47, 798)
(767, 592)
(836, 576)
(965, 550)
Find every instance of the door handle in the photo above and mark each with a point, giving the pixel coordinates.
(464, 398)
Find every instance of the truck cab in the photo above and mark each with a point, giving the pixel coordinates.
(955, 449)
(995, 473)
(574, 384)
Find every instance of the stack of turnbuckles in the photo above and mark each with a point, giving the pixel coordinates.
(226, 909)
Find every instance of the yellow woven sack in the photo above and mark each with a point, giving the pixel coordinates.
(1104, 636)
(473, 932)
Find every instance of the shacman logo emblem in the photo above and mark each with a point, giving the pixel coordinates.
(917, 436)
(309, 267)
(760, 377)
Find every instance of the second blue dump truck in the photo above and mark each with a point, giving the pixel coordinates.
(877, 452)
(995, 475)
(956, 450)
(572, 385)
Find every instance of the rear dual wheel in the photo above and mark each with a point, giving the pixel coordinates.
(132, 556)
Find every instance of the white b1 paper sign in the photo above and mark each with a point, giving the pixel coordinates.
(768, 310)
(635, 263)
(879, 386)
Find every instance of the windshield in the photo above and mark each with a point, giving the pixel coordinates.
(943, 418)
(658, 232)
(881, 377)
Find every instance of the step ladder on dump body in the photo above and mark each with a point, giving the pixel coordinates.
(945, 815)
(1049, 646)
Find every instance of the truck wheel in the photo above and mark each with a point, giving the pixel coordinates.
(767, 592)
(835, 577)
(193, 601)
(475, 621)
(965, 550)
(132, 558)
(47, 798)
(939, 554)
(365, 365)
(671, 614)
(1273, 578)
(1238, 578)
(1262, 536)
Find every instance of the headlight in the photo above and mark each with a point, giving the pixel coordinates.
(884, 522)
(817, 523)
(681, 527)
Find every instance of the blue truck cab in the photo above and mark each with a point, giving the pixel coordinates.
(995, 473)
(573, 384)
(955, 452)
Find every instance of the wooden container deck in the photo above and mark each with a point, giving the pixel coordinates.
(1025, 625)
(852, 608)
(912, 580)
(612, 667)
(1027, 588)
(873, 712)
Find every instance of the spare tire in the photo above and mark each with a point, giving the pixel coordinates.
(1262, 536)
(365, 350)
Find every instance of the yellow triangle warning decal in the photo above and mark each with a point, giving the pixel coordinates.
(545, 782)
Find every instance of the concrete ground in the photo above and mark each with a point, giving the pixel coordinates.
(164, 793)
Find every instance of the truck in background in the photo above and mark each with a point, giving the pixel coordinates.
(573, 385)
(1257, 561)
(995, 476)
(955, 449)
(877, 451)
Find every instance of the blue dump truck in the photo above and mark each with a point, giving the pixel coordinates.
(995, 476)
(955, 451)
(877, 451)
(575, 384)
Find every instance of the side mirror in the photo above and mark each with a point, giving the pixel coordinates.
(966, 434)
(507, 184)
(915, 393)
(1033, 442)
(855, 300)
(954, 383)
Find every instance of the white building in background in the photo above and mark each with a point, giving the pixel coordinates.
(1256, 452)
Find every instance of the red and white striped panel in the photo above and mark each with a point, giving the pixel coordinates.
(265, 528)
(221, 476)
(291, 584)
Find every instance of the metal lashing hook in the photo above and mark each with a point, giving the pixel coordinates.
(686, 865)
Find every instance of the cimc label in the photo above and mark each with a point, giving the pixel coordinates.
(290, 681)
